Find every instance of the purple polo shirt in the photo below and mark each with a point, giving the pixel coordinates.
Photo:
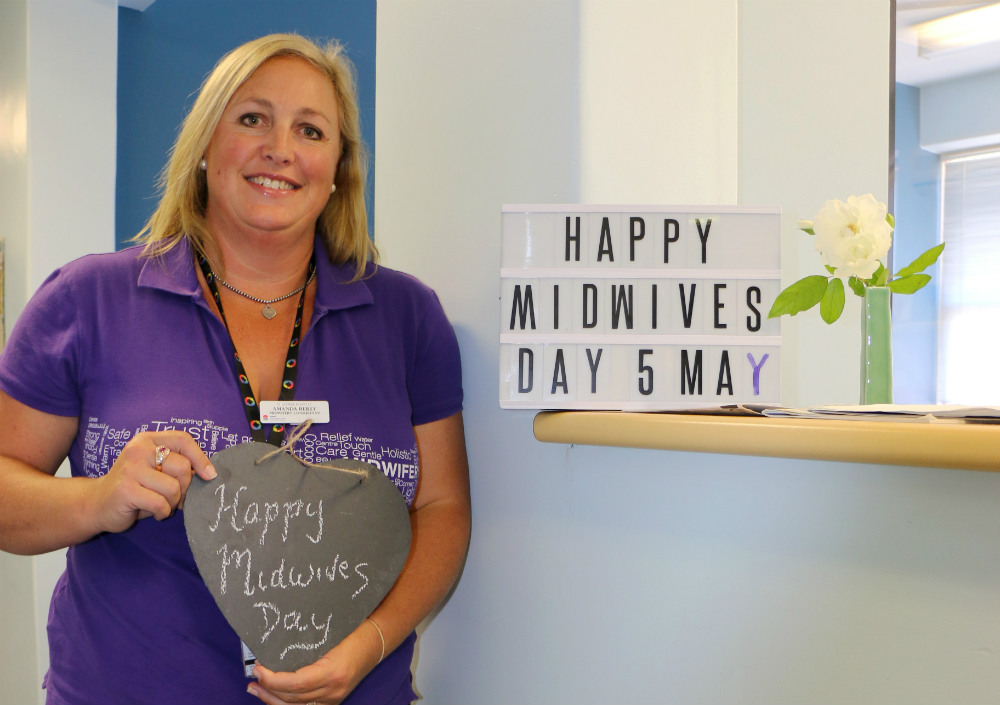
(128, 345)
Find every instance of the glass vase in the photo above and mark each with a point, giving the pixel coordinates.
(876, 347)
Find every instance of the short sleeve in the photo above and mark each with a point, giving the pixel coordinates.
(435, 380)
(39, 364)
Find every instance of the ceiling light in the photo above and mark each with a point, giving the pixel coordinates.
(959, 31)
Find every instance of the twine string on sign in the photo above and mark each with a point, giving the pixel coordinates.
(294, 437)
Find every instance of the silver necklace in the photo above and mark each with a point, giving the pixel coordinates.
(267, 312)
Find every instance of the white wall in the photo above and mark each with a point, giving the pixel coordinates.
(603, 575)
(655, 127)
(14, 150)
(58, 197)
(18, 663)
(72, 130)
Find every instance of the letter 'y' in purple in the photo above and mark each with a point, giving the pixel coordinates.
(756, 372)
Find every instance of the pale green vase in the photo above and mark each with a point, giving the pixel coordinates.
(876, 347)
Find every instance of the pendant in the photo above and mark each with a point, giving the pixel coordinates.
(268, 312)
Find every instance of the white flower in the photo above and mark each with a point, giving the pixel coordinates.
(853, 237)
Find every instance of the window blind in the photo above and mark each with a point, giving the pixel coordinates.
(969, 308)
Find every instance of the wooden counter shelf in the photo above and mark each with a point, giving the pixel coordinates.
(960, 446)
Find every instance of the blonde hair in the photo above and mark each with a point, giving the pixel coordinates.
(343, 223)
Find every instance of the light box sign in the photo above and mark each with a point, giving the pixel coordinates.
(638, 307)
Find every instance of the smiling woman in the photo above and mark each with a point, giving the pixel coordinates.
(249, 195)
(231, 102)
(272, 161)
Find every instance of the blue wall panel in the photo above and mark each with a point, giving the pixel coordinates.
(914, 318)
(164, 54)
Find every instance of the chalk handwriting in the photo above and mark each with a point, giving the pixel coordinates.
(272, 512)
(282, 577)
(257, 565)
(293, 621)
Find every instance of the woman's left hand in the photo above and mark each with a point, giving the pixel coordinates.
(329, 680)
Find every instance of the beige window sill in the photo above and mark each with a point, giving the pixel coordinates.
(962, 446)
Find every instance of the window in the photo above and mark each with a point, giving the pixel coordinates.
(969, 310)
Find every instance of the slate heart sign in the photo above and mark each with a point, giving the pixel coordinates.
(295, 556)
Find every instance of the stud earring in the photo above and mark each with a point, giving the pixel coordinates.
(203, 165)
(333, 187)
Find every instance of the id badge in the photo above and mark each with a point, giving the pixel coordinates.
(294, 412)
(249, 660)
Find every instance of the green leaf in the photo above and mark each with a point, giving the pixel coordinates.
(880, 276)
(857, 286)
(808, 230)
(890, 220)
(909, 284)
(802, 295)
(922, 262)
(831, 270)
(832, 304)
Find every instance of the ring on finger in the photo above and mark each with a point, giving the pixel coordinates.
(161, 454)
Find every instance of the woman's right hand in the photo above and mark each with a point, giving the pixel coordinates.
(135, 487)
(40, 512)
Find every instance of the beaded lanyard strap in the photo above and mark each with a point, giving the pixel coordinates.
(289, 374)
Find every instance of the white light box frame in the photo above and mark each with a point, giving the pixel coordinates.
(639, 308)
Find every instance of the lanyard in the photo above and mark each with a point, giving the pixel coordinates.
(257, 430)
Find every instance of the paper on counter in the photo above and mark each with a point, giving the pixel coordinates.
(927, 413)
